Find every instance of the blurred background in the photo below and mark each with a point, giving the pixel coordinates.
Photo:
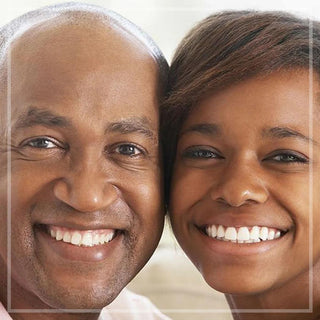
(169, 279)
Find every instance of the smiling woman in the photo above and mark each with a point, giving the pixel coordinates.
(241, 131)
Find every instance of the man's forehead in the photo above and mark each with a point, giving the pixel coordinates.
(53, 56)
(85, 30)
(76, 13)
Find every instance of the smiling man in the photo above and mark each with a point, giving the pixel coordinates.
(80, 183)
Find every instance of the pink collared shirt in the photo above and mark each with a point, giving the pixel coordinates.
(4, 315)
(127, 304)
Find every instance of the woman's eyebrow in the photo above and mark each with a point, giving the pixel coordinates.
(211, 129)
(285, 132)
(39, 116)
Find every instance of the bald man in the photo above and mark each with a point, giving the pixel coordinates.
(80, 179)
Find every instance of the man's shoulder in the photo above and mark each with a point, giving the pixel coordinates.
(129, 303)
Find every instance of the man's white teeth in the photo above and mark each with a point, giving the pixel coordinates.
(86, 238)
(230, 233)
(67, 237)
(242, 234)
(76, 239)
(59, 235)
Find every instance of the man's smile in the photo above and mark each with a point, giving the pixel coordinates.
(86, 238)
(91, 245)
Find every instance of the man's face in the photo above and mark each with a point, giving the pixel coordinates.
(86, 209)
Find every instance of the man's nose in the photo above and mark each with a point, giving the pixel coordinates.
(86, 188)
(241, 184)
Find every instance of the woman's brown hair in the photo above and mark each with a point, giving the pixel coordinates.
(227, 48)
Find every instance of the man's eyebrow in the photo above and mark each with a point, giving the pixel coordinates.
(39, 116)
(131, 125)
(210, 129)
(285, 132)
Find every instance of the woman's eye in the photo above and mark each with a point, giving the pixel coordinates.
(288, 158)
(41, 143)
(128, 150)
(201, 154)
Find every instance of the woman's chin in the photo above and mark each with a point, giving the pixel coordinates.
(239, 286)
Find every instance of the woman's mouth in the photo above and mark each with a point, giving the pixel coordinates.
(243, 234)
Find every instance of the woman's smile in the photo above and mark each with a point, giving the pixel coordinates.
(242, 234)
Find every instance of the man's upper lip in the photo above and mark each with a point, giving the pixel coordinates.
(83, 225)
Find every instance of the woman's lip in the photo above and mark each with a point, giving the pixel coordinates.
(72, 252)
(239, 249)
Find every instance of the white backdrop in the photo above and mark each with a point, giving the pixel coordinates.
(168, 20)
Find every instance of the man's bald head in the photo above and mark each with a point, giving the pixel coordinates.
(73, 14)
(42, 28)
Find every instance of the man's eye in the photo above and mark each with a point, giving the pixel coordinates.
(288, 157)
(128, 150)
(201, 153)
(41, 143)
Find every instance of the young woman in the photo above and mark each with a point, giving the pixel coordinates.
(242, 152)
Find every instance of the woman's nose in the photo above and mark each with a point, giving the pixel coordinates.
(240, 184)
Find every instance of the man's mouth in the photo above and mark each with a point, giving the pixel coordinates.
(243, 234)
(85, 238)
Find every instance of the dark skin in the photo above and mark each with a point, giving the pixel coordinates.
(84, 151)
(249, 151)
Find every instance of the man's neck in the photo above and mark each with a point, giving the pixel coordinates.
(21, 294)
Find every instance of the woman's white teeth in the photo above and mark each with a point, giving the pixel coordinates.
(230, 234)
(86, 238)
(242, 234)
(271, 235)
(254, 233)
(220, 232)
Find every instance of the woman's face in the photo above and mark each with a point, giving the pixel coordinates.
(245, 185)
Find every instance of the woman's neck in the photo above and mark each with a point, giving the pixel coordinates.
(291, 297)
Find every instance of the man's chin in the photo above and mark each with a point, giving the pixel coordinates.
(88, 299)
